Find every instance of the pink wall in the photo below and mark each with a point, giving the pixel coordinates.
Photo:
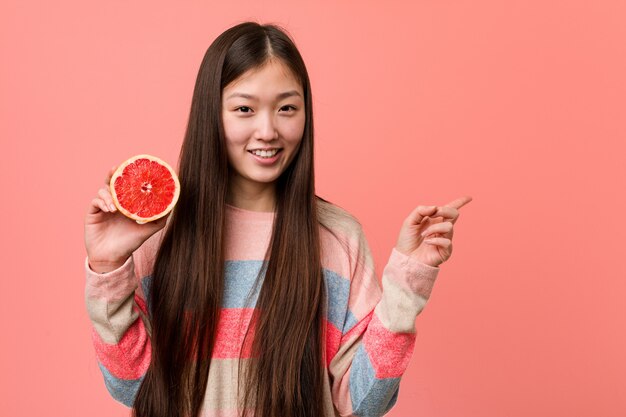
(519, 104)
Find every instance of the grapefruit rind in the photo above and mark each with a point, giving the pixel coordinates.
(120, 170)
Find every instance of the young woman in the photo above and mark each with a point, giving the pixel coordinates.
(255, 296)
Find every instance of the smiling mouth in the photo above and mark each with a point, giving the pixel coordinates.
(266, 154)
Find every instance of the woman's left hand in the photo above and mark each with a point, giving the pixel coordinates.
(426, 238)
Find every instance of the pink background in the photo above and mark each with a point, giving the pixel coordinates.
(519, 104)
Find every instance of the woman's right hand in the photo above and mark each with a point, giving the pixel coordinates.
(111, 237)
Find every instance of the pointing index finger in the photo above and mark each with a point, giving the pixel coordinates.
(459, 202)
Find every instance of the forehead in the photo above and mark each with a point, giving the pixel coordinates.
(274, 75)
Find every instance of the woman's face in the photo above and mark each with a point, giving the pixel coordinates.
(263, 115)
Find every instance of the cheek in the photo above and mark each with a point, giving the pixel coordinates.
(294, 131)
(236, 133)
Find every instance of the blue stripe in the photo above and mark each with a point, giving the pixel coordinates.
(350, 322)
(338, 290)
(370, 396)
(122, 390)
(239, 280)
(146, 286)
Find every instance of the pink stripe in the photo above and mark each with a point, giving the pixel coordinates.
(411, 274)
(130, 358)
(333, 340)
(239, 223)
(389, 352)
(365, 291)
(141, 303)
(231, 329)
(357, 330)
(331, 248)
(113, 286)
(146, 254)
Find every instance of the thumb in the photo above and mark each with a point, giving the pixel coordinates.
(160, 223)
(154, 226)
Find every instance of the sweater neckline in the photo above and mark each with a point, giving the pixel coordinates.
(249, 214)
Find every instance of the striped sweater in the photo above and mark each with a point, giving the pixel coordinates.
(370, 329)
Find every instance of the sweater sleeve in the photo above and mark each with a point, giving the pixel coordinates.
(378, 334)
(117, 308)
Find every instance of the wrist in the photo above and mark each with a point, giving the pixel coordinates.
(402, 250)
(103, 267)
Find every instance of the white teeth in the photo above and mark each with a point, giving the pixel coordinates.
(265, 154)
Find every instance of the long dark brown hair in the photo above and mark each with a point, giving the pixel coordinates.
(286, 377)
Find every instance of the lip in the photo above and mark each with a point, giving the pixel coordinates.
(263, 149)
(266, 161)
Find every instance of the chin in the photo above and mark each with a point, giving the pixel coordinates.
(263, 179)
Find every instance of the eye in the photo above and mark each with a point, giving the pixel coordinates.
(244, 109)
(288, 107)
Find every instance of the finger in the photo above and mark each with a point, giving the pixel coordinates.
(450, 214)
(445, 228)
(105, 195)
(419, 213)
(459, 202)
(96, 206)
(439, 241)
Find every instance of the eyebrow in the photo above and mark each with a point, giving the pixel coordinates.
(279, 96)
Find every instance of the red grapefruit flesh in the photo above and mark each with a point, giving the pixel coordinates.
(144, 188)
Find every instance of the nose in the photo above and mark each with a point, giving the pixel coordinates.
(266, 127)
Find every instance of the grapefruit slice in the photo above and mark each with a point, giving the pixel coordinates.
(144, 188)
